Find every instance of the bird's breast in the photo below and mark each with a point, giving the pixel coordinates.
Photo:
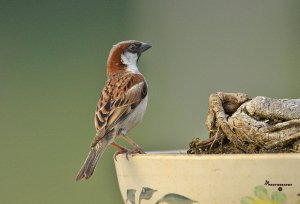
(136, 116)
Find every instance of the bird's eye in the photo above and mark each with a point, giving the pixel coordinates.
(132, 48)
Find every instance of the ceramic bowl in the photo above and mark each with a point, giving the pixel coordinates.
(176, 177)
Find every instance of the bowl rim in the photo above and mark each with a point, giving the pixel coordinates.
(182, 154)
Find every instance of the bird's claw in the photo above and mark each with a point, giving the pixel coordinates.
(127, 152)
(137, 151)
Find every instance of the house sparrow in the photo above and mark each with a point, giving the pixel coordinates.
(122, 103)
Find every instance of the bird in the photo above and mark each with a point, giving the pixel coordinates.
(121, 105)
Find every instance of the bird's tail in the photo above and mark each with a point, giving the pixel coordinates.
(90, 163)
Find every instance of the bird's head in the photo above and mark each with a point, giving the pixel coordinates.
(124, 56)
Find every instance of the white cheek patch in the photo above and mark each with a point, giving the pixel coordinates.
(130, 60)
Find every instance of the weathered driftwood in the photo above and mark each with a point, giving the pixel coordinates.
(239, 124)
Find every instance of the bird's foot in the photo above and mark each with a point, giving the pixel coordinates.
(127, 152)
(137, 150)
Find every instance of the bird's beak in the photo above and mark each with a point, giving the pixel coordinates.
(144, 47)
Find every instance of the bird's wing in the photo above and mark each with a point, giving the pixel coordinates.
(119, 97)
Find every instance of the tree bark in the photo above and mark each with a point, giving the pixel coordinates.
(238, 124)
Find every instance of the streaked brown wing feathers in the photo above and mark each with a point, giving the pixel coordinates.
(115, 102)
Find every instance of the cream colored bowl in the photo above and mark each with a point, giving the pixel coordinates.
(178, 178)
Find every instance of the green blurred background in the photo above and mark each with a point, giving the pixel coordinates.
(52, 67)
